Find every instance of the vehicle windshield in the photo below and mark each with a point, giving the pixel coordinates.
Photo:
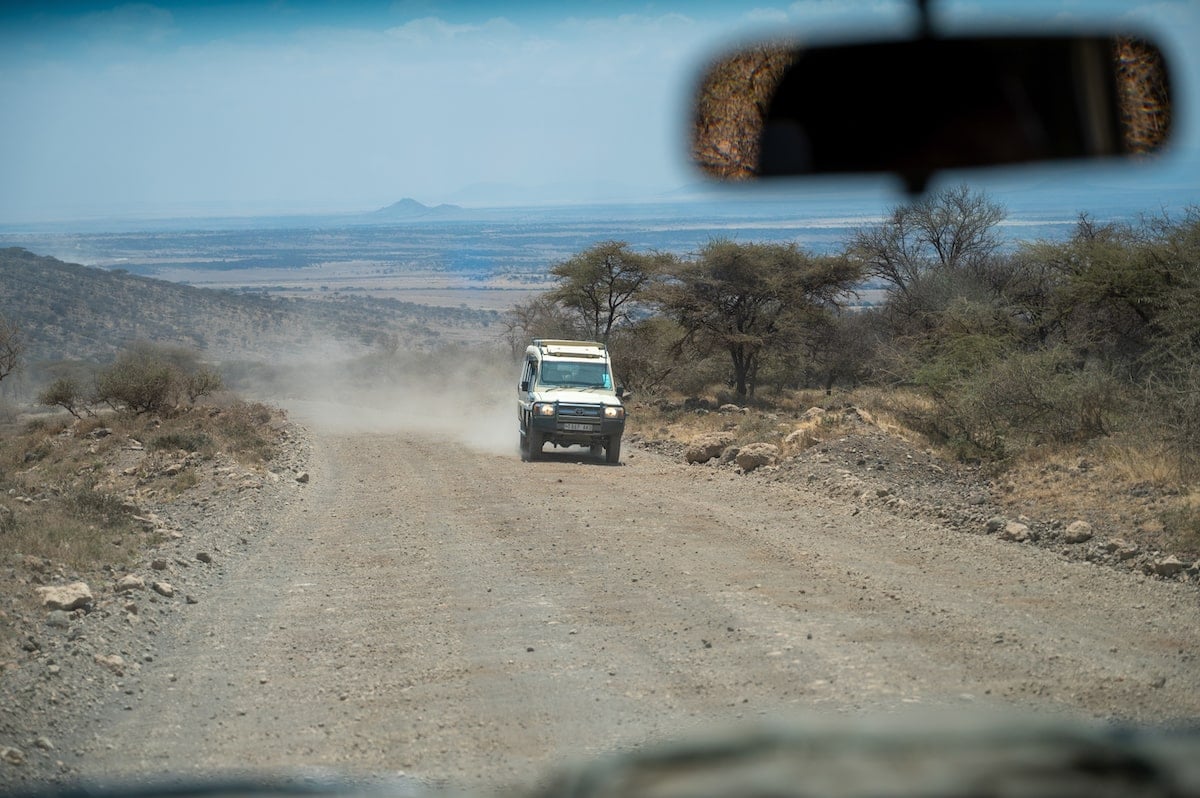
(573, 374)
(306, 469)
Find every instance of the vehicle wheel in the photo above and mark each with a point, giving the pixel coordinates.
(612, 452)
(595, 449)
(523, 445)
(535, 441)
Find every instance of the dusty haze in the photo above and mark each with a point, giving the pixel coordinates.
(454, 393)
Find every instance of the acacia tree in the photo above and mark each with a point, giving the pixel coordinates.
(752, 299)
(953, 229)
(602, 285)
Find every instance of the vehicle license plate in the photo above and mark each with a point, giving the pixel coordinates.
(577, 427)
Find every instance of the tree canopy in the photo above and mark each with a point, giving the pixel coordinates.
(601, 285)
(752, 299)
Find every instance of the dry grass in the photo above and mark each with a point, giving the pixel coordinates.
(794, 420)
(1125, 487)
(79, 530)
(1141, 462)
(63, 496)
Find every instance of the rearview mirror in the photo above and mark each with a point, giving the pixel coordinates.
(914, 108)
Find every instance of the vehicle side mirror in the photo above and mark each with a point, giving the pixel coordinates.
(524, 385)
(915, 107)
(621, 394)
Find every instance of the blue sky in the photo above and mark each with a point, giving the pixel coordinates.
(174, 108)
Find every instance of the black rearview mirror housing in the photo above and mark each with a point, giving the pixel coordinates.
(917, 107)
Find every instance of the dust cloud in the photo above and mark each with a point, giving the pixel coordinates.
(462, 395)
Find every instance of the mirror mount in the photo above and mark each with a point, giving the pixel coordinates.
(925, 22)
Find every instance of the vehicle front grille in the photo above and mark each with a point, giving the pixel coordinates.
(579, 414)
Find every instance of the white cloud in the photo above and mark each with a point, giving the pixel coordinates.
(431, 30)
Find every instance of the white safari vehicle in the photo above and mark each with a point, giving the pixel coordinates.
(567, 397)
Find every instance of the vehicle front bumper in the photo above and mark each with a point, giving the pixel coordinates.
(568, 430)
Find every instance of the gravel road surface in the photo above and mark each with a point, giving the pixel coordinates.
(470, 620)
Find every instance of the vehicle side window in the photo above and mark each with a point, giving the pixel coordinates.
(530, 372)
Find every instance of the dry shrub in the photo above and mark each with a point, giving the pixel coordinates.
(83, 529)
(185, 440)
(243, 428)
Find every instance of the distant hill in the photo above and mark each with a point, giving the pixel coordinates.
(70, 312)
(409, 208)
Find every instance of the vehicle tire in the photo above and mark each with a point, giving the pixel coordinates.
(595, 449)
(612, 452)
(523, 445)
(535, 441)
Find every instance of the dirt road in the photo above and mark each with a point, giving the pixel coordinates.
(470, 619)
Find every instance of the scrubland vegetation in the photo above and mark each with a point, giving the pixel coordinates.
(67, 494)
(1027, 360)
(1085, 347)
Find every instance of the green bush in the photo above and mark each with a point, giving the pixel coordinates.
(65, 392)
(150, 379)
(1021, 398)
(136, 385)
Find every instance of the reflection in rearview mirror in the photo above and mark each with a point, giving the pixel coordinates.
(914, 108)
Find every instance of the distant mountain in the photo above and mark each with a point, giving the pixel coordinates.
(409, 208)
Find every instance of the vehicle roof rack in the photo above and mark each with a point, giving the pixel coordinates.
(555, 346)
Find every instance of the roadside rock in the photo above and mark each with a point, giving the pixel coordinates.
(130, 582)
(58, 619)
(1078, 532)
(1122, 549)
(756, 455)
(705, 447)
(113, 662)
(1015, 531)
(1167, 566)
(163, 589)
(66, 597)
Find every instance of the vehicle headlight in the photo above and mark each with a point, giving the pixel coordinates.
(612, 411)
(544, 409)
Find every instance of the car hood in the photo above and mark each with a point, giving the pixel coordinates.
(577, 396)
